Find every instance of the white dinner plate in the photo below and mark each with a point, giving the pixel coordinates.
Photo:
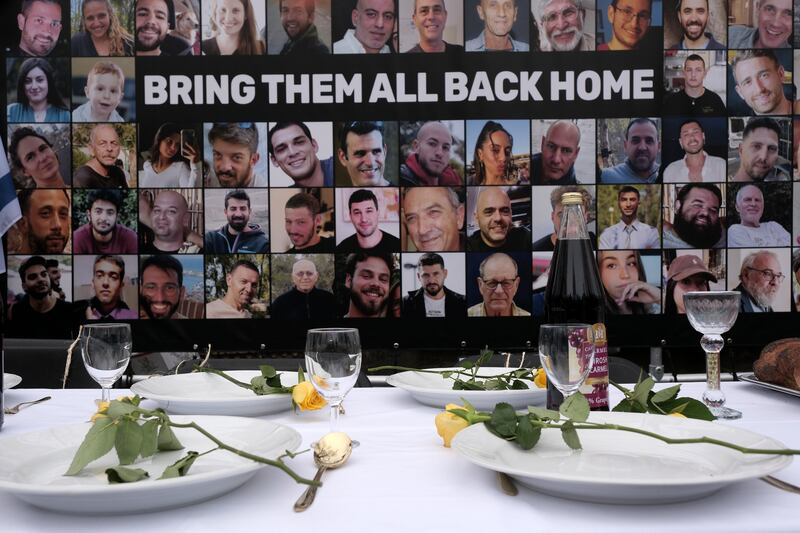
(201, 393)
(10, 381)
(626, 468)
(436, 391)
(751, 378)
(32, 467)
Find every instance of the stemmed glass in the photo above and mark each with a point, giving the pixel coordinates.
(106, 350)
(712, 313)
(567, 354)
(333, 360)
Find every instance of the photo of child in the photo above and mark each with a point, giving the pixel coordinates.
(104, 90)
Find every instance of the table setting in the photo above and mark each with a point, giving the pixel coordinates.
(395, 473)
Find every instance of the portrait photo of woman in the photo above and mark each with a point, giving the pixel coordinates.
(38, 98)
(172, 160)
(494, 161)
(625, 281)
(232, 28)
(100, 32)
(687, 273)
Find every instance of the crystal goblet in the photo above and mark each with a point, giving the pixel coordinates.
(712, 313)
(567, 354)
(106, 350)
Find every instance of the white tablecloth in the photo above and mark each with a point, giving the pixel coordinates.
(402, 479)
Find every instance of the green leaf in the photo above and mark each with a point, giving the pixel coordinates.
(181, 467)
(149, 438)
(688, 407)
(570, 435)
(128, 441)
(467, 364)
(301, 377)
(504, 419)
(527, 434)
(98, 441)
(628, 406)
(519, 385)
(267, 371)
(665, 394)
(469, 406)
(544, 414)
(494, 384)
(446, 374)
(167, 441)
(642, 390)
(121, 474)
(575, 407)
(117, 409)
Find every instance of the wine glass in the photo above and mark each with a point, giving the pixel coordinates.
(106, 350)
(567, 354)
(333, 360)
(712, 313)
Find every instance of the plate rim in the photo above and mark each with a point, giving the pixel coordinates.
(15, 487)
(780, 462)
(392, 380)
(136, 388)
(750, 377)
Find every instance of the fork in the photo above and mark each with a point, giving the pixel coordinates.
(783, 485)
(15, 409)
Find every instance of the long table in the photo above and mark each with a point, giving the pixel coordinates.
(402, 479)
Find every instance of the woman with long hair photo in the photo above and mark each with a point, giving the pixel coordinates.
(168, 162)
(101, 33)
(38, 98)
(625, 283)
(493, 156)
(233, 29)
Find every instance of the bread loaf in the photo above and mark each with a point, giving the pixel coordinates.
(779, 363)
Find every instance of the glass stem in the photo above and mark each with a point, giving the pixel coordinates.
(334, 416)
(713, 396)
(106, 394)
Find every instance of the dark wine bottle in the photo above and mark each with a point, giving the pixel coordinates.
(575, 294)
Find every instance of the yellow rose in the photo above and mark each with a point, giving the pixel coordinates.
(102, 409)
(448, 424)
(306, 397)
(540, 379)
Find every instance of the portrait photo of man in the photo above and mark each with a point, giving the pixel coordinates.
(307, 296)
(433, 219)
(692, 25)
(431, 26)
(110, 159)
(557, 156)
(690, 161)
(497, 26)
(771, 25)
(498, 282)
(105, 284)
(696, 97)
(368, 278)
(302, 220)
(761, 215)
(105, 225)
(40, 313)
(301, 154)
(56, 274)
(760, 278)
(166, 218)
(298, 28)
(564, 25)
(235, 154)
(363, 154)
(547, 211)
(244, 229)
(695, 214)
(372, 23)
(640, 154)
(759, 156)
(626, 227)
(631, 26)
(165, 292)
(501, 224)
(236, 288)
(46, 223)
(40, 24)
(438, 281)
(153, 21)
(372, 222)
(757, 77)
(432, 153)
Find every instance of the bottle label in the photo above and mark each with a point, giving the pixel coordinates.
(595, 388)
